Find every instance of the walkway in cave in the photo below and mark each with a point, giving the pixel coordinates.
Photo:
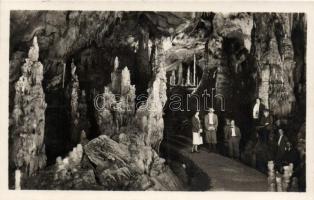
(224, 173)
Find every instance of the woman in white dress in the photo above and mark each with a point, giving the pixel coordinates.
(196, 130)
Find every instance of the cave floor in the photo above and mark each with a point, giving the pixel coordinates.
(225, 174)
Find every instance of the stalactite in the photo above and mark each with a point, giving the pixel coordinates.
(28, 150)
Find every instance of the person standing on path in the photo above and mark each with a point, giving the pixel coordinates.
(196, 130)
(233, 137)
(211, 125)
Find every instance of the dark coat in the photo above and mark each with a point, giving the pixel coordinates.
(265, 120)
(196, 124)
(228, 133)
(281, 147)
(291, 156)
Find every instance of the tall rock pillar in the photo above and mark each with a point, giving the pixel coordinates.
(27, 149)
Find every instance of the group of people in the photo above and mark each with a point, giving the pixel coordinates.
(232, 134)
(269, 137)
(272, 142)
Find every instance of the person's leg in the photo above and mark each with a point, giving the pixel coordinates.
(210, 141)
(207, 138)
(236, 148)
(214, 140)
(230, 148)
(196, 149)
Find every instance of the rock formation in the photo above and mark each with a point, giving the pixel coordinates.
(68, 173)
(125, 154)
(274, 56)
(75, 115)
(27, 122)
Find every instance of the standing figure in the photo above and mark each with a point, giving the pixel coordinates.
(281, 146)
(233, 137)
(258, 109)
(211, 125)
(266, 126)
(226, 127)
(196, 130)
(290, 155)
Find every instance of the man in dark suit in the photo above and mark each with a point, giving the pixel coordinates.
(233, 137)
(281, 146)
(266, 126)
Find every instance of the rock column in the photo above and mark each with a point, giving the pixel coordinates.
(27, 148)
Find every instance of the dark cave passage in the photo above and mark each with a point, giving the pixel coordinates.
(57, 137)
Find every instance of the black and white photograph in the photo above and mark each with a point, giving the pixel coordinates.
(119, 100)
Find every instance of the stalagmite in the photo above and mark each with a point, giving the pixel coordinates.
(18, 176)
(188, 78)
(28, 150)
(173, 78)
(125, 81)
(180, 75)
(116, 63)
(116, 78)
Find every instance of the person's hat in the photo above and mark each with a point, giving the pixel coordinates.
(211, 109)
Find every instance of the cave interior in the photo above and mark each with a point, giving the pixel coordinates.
(226, 54)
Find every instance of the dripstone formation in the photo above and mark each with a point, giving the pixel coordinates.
(27, 121)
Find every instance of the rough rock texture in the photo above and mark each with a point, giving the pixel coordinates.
(27, 121)
(275, 61)
(125, 154)
(79, 108)
(68, 173)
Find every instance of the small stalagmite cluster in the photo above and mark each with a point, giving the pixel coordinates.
(27, 121)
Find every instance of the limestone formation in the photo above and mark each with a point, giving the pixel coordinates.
(125, 154)
(173, 78)
(116, 78)
(66, 174)
(27, 150)
(275, 63)
(75, 115)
